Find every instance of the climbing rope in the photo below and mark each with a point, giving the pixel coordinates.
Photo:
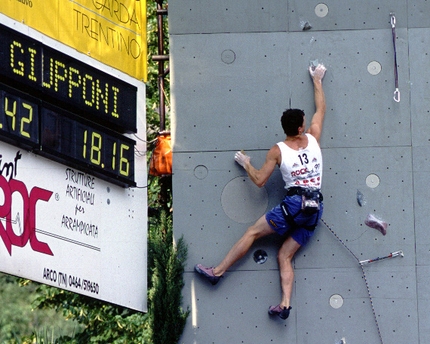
(364, 277)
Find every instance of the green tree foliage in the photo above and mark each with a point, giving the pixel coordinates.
(102, 322)
(18, 318)
(167, 318)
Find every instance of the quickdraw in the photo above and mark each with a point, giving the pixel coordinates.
(396, 75)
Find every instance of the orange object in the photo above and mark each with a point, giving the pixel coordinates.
(161, 159)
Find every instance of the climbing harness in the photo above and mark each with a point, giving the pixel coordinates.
(311, 200)
(364, 277)
(396, 75)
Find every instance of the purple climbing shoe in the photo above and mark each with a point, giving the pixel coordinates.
(208, 273)
(283, 313)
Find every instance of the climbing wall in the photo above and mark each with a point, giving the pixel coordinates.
(235, 66)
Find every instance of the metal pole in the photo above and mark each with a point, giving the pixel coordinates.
(161, 74)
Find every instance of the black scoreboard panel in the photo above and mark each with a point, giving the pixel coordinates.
(61, 136)
(83, 143)
(19, 117)
(64, 80)
(71, 113)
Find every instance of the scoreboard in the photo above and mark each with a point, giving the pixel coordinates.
(65, 110)
(73, 169)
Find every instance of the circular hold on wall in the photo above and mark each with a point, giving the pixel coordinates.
(228, 56)
(200, 172)
(321, 10)
(374, 68)
(260, 256)
(243, 201)
(336, 301)
(372, 180)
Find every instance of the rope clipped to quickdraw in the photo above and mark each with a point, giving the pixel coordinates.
(364, 277)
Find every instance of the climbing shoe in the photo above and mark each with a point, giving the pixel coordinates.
(208, 273)
(283, 313)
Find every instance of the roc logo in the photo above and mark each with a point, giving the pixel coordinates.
(29, 201)
(299, 172)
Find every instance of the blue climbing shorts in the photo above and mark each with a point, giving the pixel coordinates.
(276, 220)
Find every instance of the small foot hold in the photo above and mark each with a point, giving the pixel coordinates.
(360, 198)
(306, 26)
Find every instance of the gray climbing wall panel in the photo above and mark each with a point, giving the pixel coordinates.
(235, 66)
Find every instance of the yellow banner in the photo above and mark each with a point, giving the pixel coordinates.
(111, 31)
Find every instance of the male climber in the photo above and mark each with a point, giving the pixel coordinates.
(300, 161)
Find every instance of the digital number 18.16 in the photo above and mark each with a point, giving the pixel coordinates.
(99, 148)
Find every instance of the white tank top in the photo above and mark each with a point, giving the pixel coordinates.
(302, 167)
